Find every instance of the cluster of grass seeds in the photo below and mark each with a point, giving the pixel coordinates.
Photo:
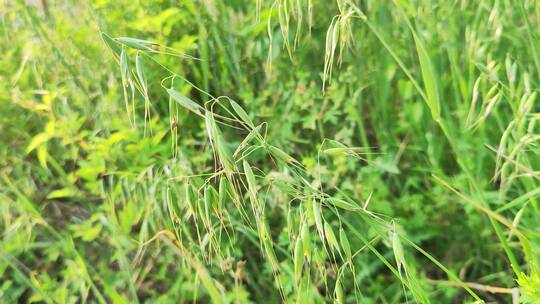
(338, 31)
(445, 93)
(234, 199)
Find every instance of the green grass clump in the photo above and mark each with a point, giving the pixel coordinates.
(269, 151)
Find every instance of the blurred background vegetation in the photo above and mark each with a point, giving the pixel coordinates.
(429, 106)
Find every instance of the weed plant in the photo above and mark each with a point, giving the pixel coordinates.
(269, 151)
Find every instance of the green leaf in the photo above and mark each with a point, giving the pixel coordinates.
(36, 141)
(64, 192)
(430, 78)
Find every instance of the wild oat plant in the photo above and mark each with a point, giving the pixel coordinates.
(270, 151)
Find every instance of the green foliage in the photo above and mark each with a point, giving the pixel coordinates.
(269, 151)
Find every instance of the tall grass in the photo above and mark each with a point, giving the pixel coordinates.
(275, 151)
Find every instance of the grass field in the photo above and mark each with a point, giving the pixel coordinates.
(268, 151)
